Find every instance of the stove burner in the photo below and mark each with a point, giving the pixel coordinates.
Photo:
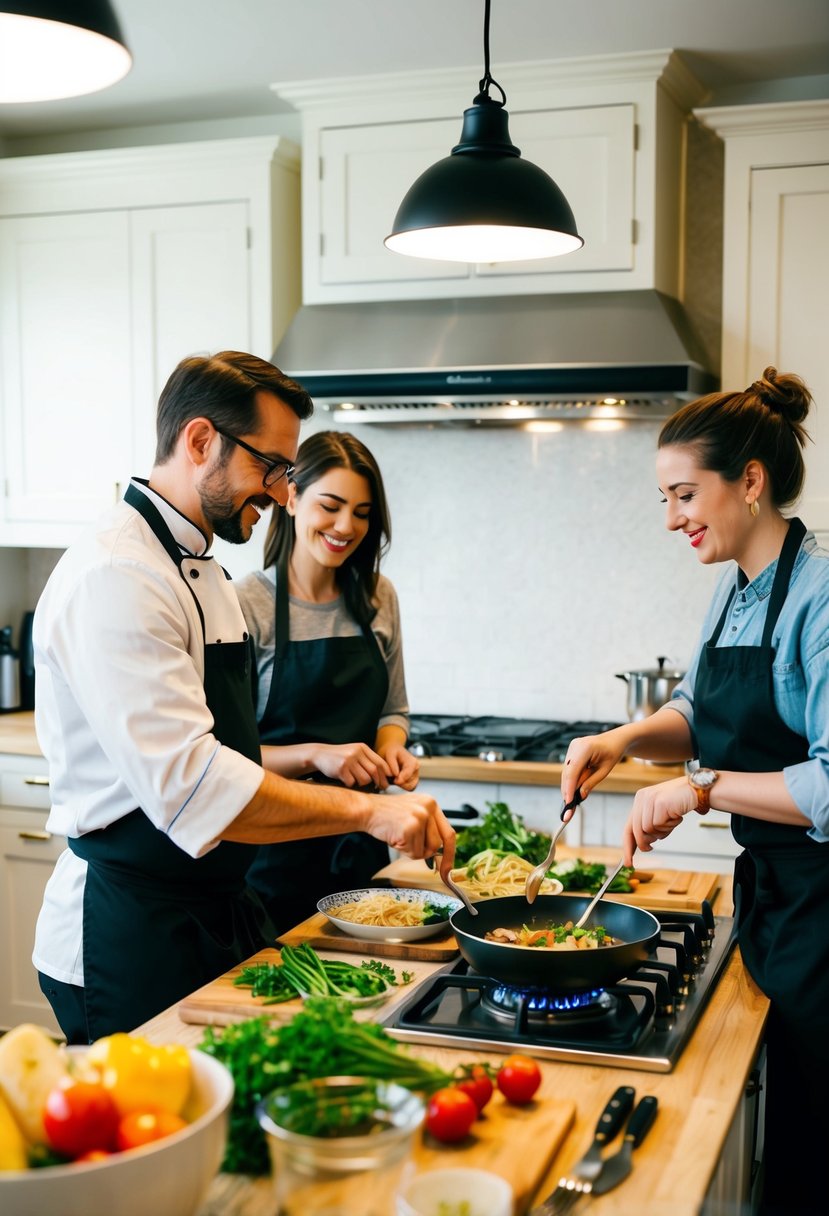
(545, 1006)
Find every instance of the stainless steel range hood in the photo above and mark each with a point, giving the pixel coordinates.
(503, 360)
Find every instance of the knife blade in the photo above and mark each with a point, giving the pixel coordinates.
(610, 1122)
(617, 1167)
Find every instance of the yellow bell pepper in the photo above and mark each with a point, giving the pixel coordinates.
(138, 1074)
(12, 1145)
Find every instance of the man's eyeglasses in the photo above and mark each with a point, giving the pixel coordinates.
(275, 470)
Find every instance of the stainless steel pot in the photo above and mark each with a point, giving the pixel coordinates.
(648, 690)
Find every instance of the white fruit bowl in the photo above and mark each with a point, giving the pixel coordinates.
(167, 1178)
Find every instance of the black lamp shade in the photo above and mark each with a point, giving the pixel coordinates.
(484, 203)
(51, 49)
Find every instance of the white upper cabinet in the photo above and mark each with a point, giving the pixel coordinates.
(776, 262)
(65, 361)
(113, 267)
(609, 131)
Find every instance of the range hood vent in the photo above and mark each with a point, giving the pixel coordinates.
(497, 361)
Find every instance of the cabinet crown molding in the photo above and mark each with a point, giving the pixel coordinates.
(447, 84)
(771, 118)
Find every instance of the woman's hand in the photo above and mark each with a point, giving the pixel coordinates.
(657, 810)
(354, 764)
(589, 760)
(404, 768)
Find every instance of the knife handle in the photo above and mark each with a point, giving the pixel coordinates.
(614, 1114)
(641, 1120)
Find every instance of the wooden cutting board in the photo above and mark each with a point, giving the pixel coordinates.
(221, 1002)
(680, 890)
(319, 931)
(516, 1142)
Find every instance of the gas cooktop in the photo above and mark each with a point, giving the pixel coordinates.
(491, 738)
(642, 1022)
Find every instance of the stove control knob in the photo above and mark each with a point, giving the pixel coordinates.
(491, 755)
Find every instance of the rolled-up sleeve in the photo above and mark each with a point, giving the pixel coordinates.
(808, 783)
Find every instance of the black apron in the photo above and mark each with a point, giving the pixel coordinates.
(781, 893)
(329, 690)
(157, 923)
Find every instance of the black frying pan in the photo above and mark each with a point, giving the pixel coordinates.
(556, 970)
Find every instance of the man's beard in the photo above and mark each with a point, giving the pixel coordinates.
(221, 516)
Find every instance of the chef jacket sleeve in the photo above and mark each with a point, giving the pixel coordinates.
(131, 653)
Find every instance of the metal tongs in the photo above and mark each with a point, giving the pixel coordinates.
(453, 886)
(535, 879)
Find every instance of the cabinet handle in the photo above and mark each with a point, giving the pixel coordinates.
(35, 835)
(35, 780)
(723, 827)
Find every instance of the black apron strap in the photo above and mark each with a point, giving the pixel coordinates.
(782, 577)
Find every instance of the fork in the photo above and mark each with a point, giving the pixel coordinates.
(564, 1198)
(536, 877)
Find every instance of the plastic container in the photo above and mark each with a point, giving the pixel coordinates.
(355, 1168)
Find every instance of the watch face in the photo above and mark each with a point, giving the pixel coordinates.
(703, 778)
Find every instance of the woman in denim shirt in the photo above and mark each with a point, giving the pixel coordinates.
(753, 712)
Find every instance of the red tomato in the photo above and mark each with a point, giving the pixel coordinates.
(450, 1114)
(478, 1085)
(144, 1126)
(518, 1079)
(79, 1116)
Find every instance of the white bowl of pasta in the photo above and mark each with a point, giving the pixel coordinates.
(400, 915)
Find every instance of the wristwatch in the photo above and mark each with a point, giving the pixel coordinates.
(701, 781)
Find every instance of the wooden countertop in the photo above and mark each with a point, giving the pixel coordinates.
(17, 734)
(697, 1103)
(17, 737)
(628, 776)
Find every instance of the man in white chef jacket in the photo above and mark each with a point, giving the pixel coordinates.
(145, 714)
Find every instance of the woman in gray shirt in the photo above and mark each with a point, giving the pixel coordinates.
(331, 697)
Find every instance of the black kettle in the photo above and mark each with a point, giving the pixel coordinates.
(9, 672)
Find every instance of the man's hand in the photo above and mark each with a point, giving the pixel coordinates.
(415, 825)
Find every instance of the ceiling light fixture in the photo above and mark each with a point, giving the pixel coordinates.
(483, 203)
(51, 49)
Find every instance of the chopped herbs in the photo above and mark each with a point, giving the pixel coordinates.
(323, 1040)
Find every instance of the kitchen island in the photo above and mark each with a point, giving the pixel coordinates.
(699, 1102)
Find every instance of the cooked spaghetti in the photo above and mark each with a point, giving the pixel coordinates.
(555, 937)
(381, 908)
(493, 873)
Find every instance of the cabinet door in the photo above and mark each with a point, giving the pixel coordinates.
(27, 857)
(191, 295)
(788, 302)
(589, 154)
(65, 365)
(366, 171)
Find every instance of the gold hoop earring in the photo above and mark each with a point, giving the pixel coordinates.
(754, 508)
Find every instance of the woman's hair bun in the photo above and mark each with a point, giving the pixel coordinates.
(785, 394)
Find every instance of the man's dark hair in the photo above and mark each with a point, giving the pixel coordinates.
(223, 388)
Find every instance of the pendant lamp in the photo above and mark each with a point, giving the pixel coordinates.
(51, 49)
(484, 203)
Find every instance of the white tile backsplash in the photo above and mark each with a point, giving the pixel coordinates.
(533, 567)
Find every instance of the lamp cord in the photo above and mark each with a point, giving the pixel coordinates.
(486, 82)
